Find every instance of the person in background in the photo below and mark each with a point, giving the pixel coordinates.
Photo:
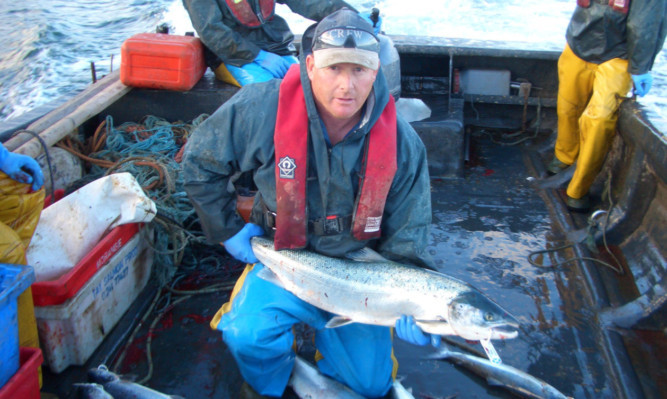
(306, 140)
(21, 203)
(610, 46)
(246, 42)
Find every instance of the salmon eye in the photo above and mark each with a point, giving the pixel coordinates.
(488, 316)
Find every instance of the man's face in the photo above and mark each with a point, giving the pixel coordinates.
(340, 90)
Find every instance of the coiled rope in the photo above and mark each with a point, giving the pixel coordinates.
(151, 151)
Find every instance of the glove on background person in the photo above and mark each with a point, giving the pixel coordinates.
(21, 168)
(642, 83)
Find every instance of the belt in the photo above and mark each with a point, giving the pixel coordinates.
(330, 225)
(327, 226)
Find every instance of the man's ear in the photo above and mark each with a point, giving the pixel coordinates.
(310, 65)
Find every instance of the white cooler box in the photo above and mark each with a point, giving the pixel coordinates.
(70, 332)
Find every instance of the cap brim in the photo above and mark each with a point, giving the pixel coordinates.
(330, 56)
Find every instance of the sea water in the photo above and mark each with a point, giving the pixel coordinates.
(48, 46)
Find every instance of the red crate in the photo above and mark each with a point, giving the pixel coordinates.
(25, 383)
(162, 61)
(55, 292)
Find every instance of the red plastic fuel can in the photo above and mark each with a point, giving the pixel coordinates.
(162, 61)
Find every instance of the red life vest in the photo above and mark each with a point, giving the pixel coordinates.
(291, 148)
(618, 5)
(252, 15)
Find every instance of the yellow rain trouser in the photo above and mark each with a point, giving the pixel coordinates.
(248, 73)
(19, 213)
(588, 99)
(223, 74)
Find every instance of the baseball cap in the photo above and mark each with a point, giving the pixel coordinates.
(345, 37)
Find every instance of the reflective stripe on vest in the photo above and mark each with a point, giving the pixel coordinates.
(245, 13)
(622, 6)
(291, 147)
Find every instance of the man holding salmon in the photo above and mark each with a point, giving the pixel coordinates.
(336, 170)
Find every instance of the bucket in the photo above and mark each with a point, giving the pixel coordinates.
(14, 279)
(25, 383)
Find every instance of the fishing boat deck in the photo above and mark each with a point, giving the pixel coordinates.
(484, 226)
(494, 209)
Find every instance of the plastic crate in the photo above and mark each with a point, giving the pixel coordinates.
(70, 332)
(14, 279)
(25, 382)
(162, 61)
(55, 292)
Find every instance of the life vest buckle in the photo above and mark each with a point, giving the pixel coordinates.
(270, 219)
(331, 225)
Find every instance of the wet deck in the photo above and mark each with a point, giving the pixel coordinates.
(484, 226)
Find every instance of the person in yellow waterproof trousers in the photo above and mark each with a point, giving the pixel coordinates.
(21, 203)
(608, 49)
(586, 127)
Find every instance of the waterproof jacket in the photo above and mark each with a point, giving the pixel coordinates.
(230, 42)
(238, 137)
(599, 33)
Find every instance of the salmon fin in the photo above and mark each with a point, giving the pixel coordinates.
(338, 321)
(267, 275)
(365, 255)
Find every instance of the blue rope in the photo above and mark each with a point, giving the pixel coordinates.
(158, 140)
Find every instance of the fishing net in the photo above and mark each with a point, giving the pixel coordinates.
(151, 151)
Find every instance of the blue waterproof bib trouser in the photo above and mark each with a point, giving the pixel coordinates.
(256, 325)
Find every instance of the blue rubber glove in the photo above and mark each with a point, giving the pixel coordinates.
(642, 83)
(377, 28)
(21, 168)
(409, 331)
(275, 64)
(238, 245)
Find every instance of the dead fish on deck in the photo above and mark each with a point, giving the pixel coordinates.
(555, 181)
(398, 391)
(308, 383)
(91, 391)
(123, 389)
(370, 289)
(503, 375)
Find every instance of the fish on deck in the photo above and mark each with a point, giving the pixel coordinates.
(308, 382)
(119, 388)
(499, 374)
(91, 391)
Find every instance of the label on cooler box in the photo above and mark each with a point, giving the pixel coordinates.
(117, 274)
(104, 258)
